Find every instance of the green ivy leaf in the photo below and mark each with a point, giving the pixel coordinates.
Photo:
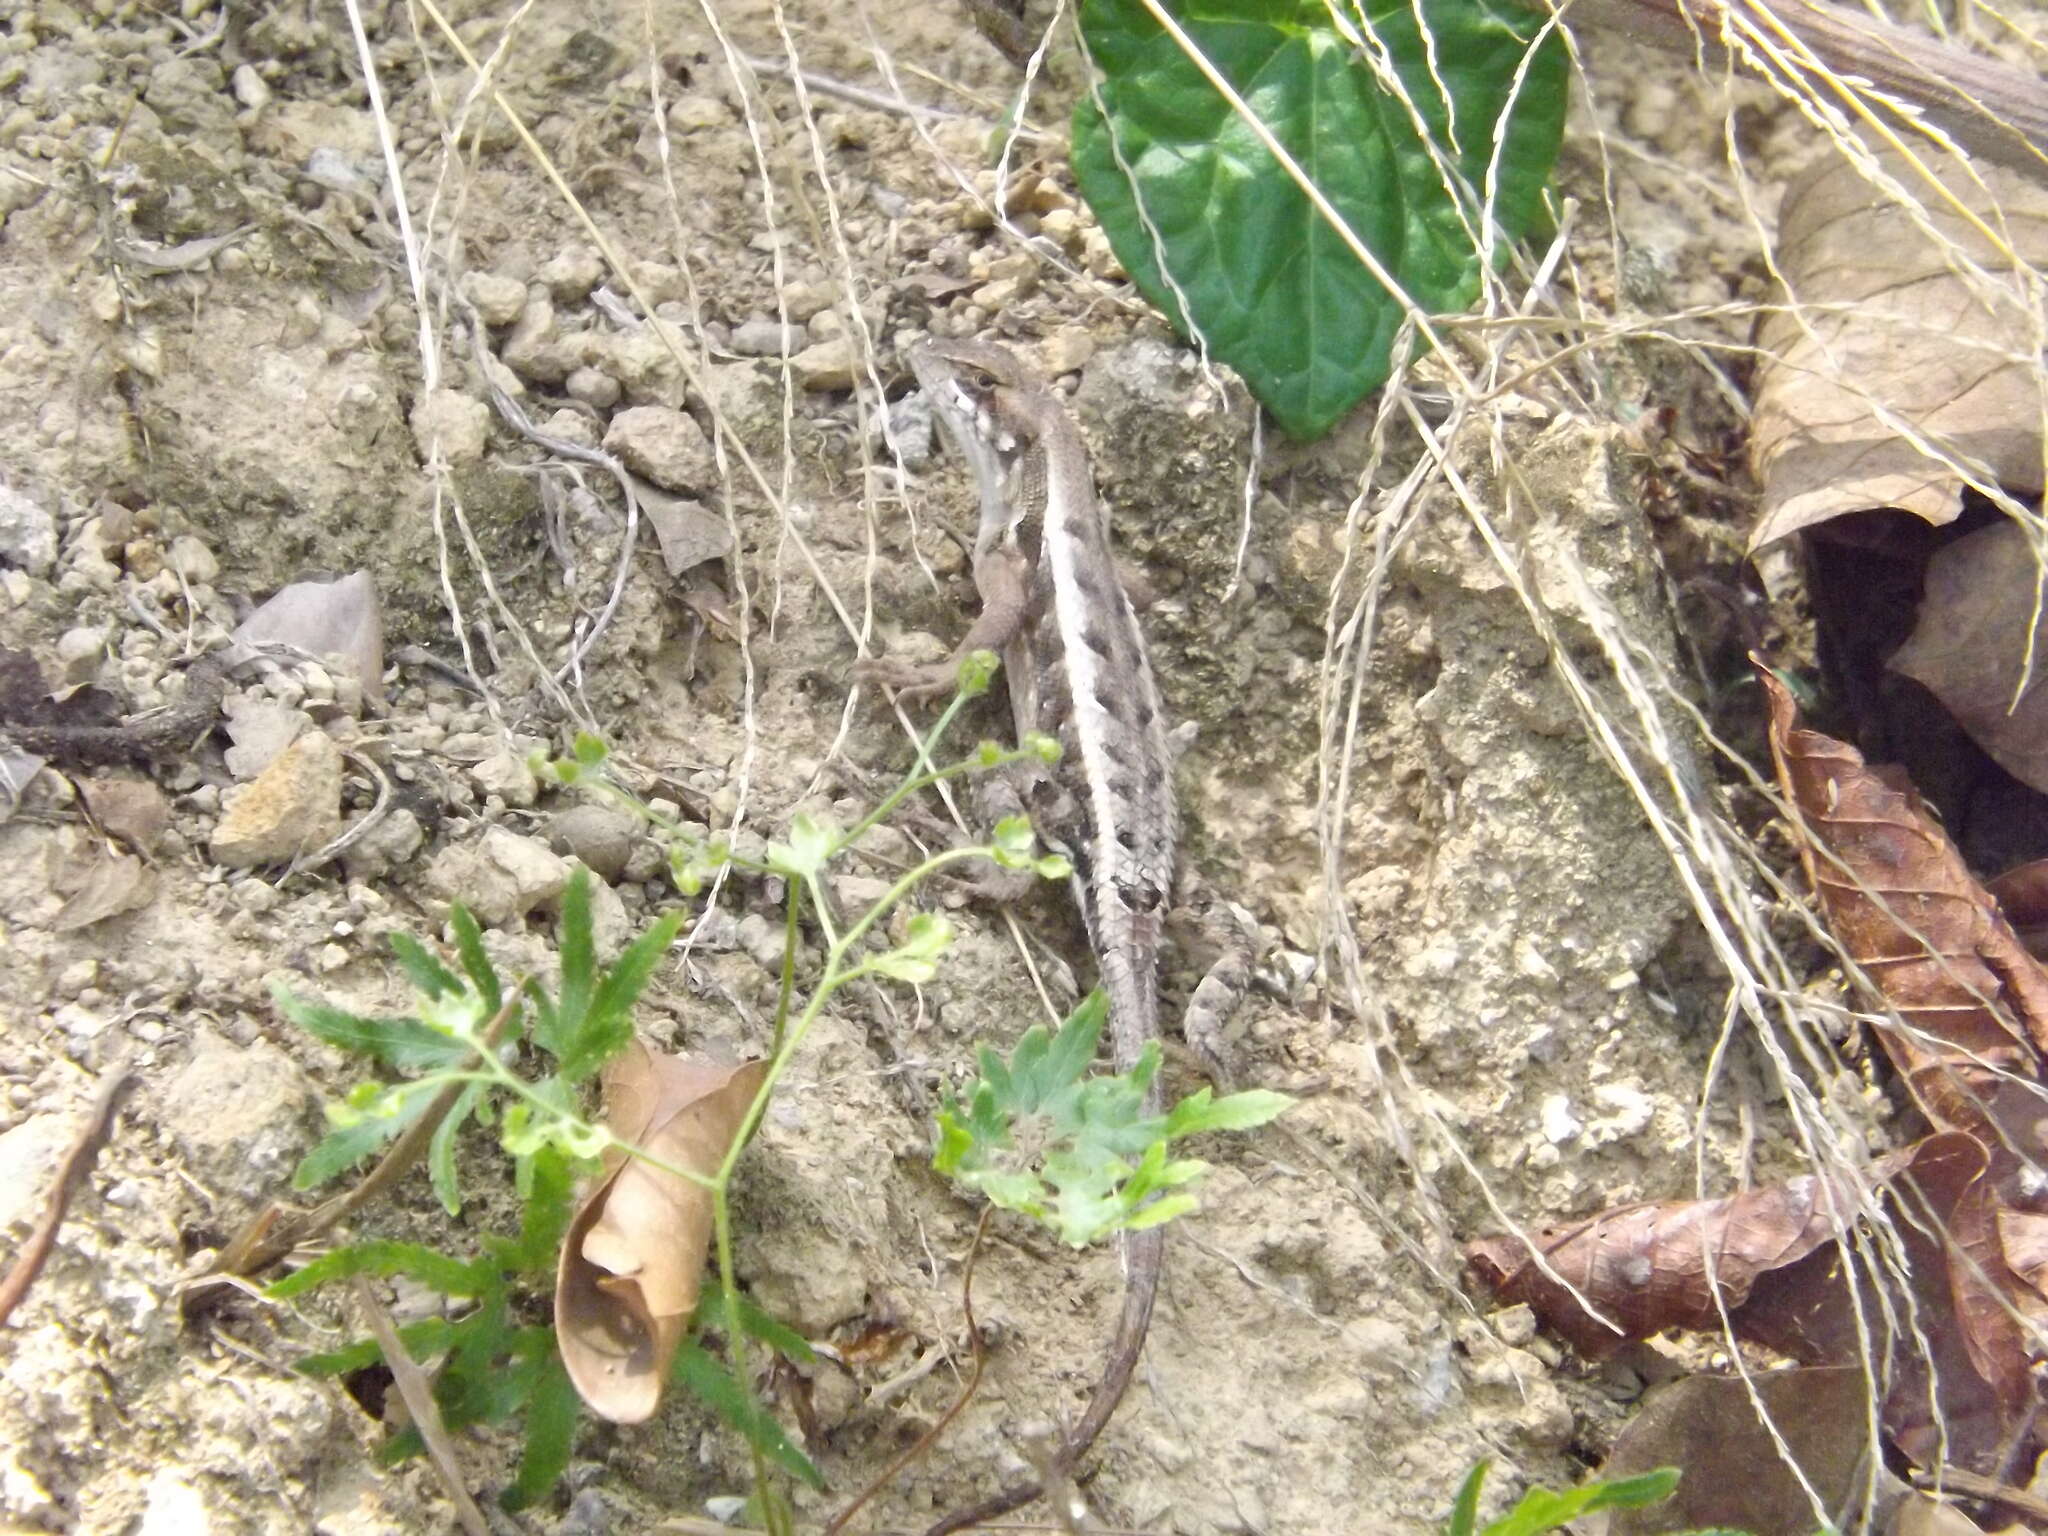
(557, 1029)
(1546, 1509)
(423, 1340)
(1233, 1112)
(429, 977)
(1012, 842)
(1274, 289)
(609, 1027)
(441, 1149)
(353, 1139)
(977, 670)
(476, 965)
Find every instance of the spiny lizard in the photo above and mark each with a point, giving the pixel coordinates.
(1077, 668)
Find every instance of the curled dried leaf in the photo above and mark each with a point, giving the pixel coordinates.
(633, 1259)
(1654, 1266)
(1905, 353)
(1905, 907)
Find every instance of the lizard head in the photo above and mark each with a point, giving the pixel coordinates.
(988, 402)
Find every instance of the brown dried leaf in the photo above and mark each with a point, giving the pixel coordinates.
(1972, 640)
(1735, 1477)
(134, 810)
(101, 885)
(634, 1255)
(1885, 338)
(1654, 1266)
(1786, 1287)
(1904, 906)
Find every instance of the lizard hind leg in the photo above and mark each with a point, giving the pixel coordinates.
(1230, 933)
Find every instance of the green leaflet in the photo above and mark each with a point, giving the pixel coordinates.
(1272, 287)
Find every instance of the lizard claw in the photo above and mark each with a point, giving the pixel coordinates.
(913, 684)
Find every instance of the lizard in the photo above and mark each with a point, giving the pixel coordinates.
(1076, 665)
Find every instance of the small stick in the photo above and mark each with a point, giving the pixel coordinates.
(71, 1172)
(418, 1395)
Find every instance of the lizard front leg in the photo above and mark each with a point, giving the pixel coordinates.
(1003, 578)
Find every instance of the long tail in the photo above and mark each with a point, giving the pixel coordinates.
(1145, 1254)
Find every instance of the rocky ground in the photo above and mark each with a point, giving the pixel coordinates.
(1481, 973)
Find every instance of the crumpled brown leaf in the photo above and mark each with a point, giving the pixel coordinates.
(1885, 338)
(1971, 643)
(1904, 905)
(1654, 1266)
(1734, 1477)
(633, 1259)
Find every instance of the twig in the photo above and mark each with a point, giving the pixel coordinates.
(930, 1437)
(418, 1395)
(77, 1163)
(859, 95)
(1969, 1484)
(321, 857)
(1988, 107)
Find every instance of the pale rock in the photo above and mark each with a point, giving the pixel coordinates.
(28, 533)
(452, 424)
(392, 842)
(825, 364)
(571, 275)
(600, 838)
(250, 88)
(763, 940)
(666, 446)
(29, 1155)
(689, 533)
(1067, 350)
(644, 363)
(801, 301)
(293, 807)
(191, 559)
(762, 337)
(506, 775)
(533, 349)
(79, 652)
(241, 1114)
(500, 877)
(498, 299)
(698, 111)
(573, 426)
(593, 387)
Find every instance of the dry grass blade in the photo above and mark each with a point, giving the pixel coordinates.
(417, 1392)
(1990, 108)
(634, 1256)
